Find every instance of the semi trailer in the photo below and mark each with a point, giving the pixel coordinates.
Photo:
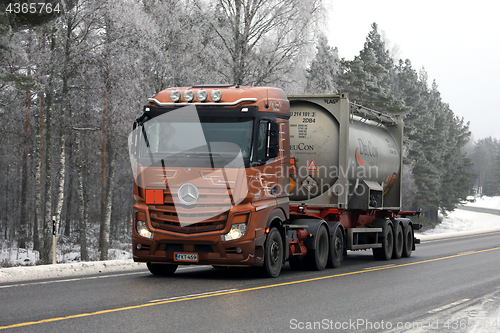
(229, 175)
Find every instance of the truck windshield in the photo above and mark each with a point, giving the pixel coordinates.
(196, 141)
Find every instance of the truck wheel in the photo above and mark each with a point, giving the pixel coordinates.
(336, 255)
(317, 259)
(408, 242)
(385, 252)
(162, 269)
(398, 242)
(273, 256)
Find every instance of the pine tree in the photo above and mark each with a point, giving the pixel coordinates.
(324, 69)
(369, 78)
(456, 179)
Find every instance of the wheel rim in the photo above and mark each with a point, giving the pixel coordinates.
(337, 246)
(275, 252)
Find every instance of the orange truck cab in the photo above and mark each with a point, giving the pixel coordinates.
(211, 170)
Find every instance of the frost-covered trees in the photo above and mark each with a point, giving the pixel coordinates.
(486, 156)
(261, 39)
(71, 87)
(324, 69)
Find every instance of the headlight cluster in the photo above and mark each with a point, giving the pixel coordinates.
(237, 231)
(201, 95)
(142, 229)
(141, 225)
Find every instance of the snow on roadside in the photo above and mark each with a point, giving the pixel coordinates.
(66, 253)
(484, 202)
(461, 222)
(42, 272)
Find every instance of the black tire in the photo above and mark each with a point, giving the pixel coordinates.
(408, 242)
(385, 252)
(162, 269)
(317, 259)
(398, 242)
(336, 253)
(273, 254)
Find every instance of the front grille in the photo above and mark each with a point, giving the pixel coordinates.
(208, 214)
(189, 219)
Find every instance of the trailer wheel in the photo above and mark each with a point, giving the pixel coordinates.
(162, 269)
(408, 242)
(273, 256)
(316, 259)
(385, 252)
(336, 255)
(398, 242)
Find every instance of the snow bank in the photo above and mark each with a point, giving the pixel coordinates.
(485, 202)
(465, 223)
(30, 273)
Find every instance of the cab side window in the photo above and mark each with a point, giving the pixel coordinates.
(262, 141)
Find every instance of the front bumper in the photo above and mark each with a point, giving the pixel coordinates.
(244, 252)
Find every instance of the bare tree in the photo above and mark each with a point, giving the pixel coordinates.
(261, 37)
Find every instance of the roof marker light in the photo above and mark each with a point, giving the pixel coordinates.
(216, 95)
(188, 95)
(175, 95)
(201, 95)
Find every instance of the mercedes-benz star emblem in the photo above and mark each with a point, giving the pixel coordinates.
(188, 194)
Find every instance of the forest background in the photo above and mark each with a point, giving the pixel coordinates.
(73, 81)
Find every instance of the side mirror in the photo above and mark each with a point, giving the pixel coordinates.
(274, 140)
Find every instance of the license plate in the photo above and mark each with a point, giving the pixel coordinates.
(191, 257)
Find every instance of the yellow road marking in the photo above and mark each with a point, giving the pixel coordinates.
(88, 314)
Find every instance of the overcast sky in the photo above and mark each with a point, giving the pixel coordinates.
(458, 43)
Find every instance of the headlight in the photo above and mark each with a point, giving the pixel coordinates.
(142, 229)
(237, 231)
(216, 95)
(188, 95)
(201, 95)
(175, 95)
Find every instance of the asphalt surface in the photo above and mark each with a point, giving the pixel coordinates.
(453, 281)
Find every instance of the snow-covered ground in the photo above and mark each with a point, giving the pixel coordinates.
(457, 223)
(27, 257)
(461, 222)
(485, 202)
